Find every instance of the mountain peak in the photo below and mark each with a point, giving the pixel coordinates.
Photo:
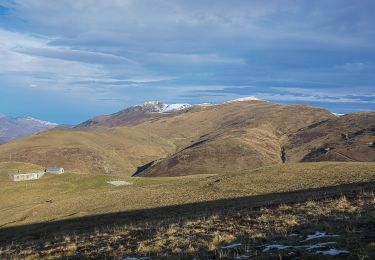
(135, 114)
(159, 107)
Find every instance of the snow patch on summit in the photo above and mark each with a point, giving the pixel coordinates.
(45, 123)
(159, 107)
(174, 107)
(250, 98)
(337, 114)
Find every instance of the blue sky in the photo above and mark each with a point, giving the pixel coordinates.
(66, 61)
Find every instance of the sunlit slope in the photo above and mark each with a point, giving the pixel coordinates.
(346, 138)
(115, 151)
(74, 195)
(236, 136)
(188, 126)
(202, 139)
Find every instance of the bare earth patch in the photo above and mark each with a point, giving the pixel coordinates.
(119, 183)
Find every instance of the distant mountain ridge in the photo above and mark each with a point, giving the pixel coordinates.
(13, 128)
(149, 109)
(156, 139)
(135, 114)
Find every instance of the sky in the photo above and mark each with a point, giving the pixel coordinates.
(67, 61)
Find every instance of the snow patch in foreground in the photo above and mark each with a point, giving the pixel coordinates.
(137, 258)
(319, 234)
(268, 248)
(295, 235)
(119, 183)
(231, 246)
(311, 248)
(332, 252)
(323, 248)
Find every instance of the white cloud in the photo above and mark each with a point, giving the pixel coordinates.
(29, 60)
(108, 48)
(354, 66)
(14, 61)
(200, 59)
(332, 93)
(64, 53)
(313, 95)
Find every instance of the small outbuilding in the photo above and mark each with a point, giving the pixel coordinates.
(27, 176)
(55, 170)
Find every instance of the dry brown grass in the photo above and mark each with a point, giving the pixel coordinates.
(359, 129)
(114, 151)
(185, 230)
(350, 218)
(236, 136)
(75, 195)
(242, 135)
(83, 195)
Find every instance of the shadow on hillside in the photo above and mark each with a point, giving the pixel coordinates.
(90, 223)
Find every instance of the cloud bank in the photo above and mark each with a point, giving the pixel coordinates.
(101, 56)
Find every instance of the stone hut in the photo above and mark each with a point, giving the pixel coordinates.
(55, 170)
(27, 176)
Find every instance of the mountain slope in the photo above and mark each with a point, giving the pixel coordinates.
(134, 114)
(346, 138)
(116, 150)
(162, 141)
(258, 142)
(20, 127)
(239, 135)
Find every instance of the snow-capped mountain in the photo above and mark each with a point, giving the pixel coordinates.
(337, 114)
(141, 112)
(37, 121)
(135, 114)
(159, 107)
(13, 128)
(250, 98)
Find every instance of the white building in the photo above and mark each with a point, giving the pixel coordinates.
(27, 176)
(55, 170)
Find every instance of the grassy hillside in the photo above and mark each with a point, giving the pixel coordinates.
(246, 141)
(247, 134)
(229, 137)
(185, 128)
(203, 140)
(112, 151)
(82, 214)
(83, 195)
(345, 138)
